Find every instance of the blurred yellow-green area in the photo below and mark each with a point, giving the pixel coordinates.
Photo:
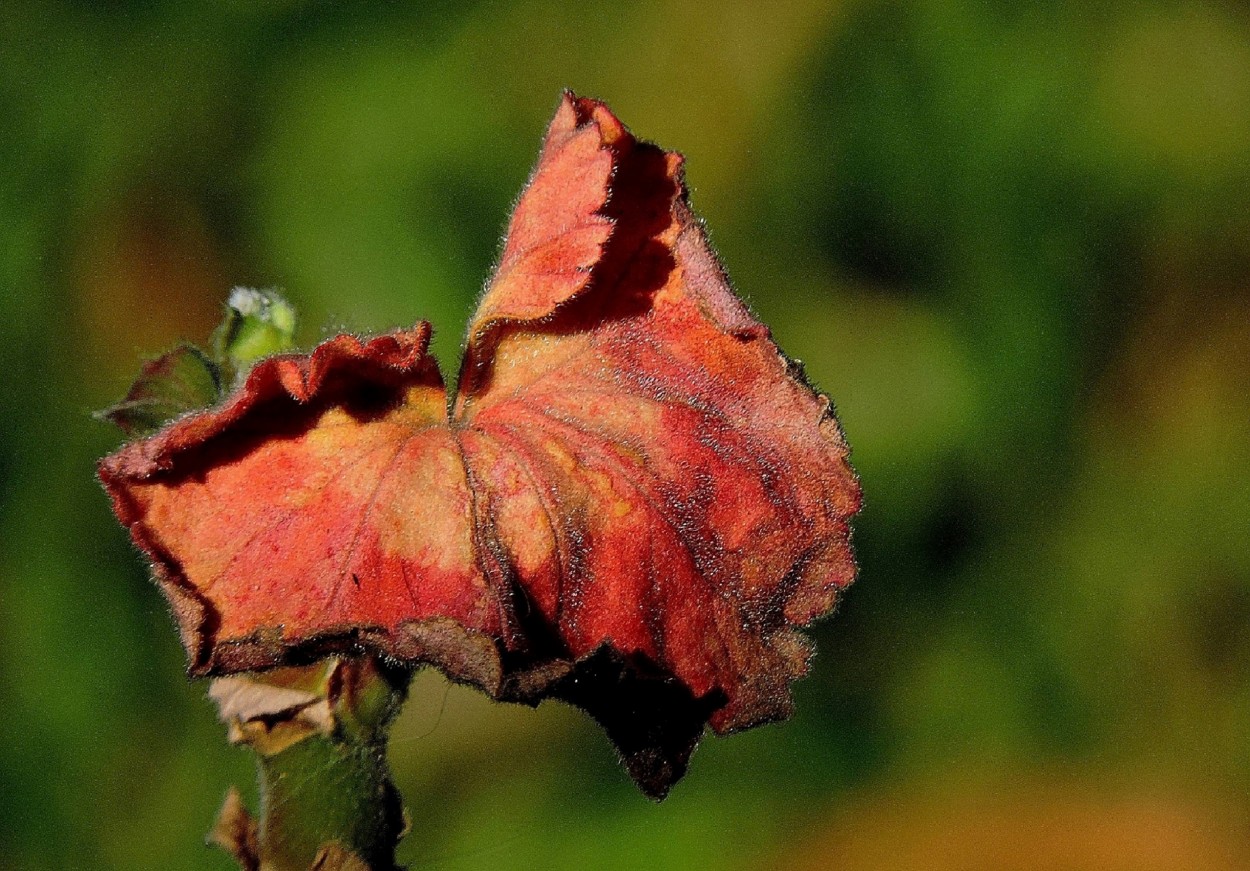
(1012, 240)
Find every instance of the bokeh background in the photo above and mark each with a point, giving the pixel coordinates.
(1012, 240)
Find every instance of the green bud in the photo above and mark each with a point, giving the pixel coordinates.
(258, 323)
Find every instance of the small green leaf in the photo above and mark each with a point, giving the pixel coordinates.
(258, 323)
(174, 383)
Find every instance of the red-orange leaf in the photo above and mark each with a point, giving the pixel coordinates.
(633, 505)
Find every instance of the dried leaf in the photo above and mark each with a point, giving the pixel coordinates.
(269, 718)
(634, 503)
(272, 710)
(235, 832)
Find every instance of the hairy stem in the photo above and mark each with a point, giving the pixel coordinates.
(322, 791)
(319, 734)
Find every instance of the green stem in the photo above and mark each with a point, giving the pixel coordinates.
(323, 790)
(319, 734)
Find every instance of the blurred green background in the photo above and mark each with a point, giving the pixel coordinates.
(1012, 240)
